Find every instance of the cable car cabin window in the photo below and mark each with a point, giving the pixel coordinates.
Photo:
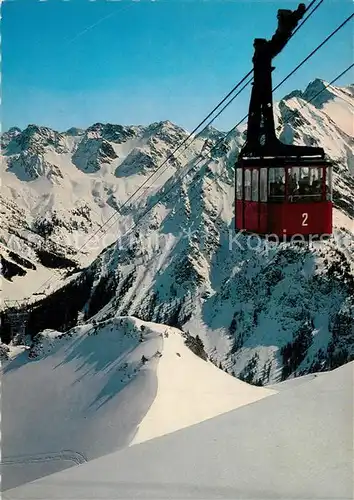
(247, 185)
(329, 184)
(263, 184)
(239, 183)
(293, 183)
(255, 175)
(316, 183)
(276, 184)
(305, 184)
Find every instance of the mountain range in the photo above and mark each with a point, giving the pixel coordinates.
(79, 243)
(142, 334)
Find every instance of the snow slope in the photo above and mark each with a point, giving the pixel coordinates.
(189, 391)
(58, 188)
(336, 102)
(79, 394)
(76, 396)
(297, 444)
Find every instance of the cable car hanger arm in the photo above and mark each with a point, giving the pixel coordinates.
(287, 22)
(261, 117)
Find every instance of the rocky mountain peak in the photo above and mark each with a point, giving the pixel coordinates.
(36, 139)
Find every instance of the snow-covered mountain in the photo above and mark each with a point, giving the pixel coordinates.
(295, 444)
(266, 313)
(58, 189)
(335, 102)
(103, 386)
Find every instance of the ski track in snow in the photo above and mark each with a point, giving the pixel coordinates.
(66, 455)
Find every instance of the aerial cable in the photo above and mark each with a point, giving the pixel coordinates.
(221, 141)
(300, 25)
(328, 85)
(211, 121)
(186, 139)
(150, 177)
(298, 66)
(225, 105)
(171, 155)
(310, 14)
(295, 31)
(315, 50)
(317, 94)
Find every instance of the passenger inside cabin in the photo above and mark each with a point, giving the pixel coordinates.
(277, 189)
(316, 189)
(292, 187)
(292, 183)
(304, 189)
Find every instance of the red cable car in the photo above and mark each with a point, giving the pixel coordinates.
(282, 190)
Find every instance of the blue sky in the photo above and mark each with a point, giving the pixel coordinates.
(77, 62)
